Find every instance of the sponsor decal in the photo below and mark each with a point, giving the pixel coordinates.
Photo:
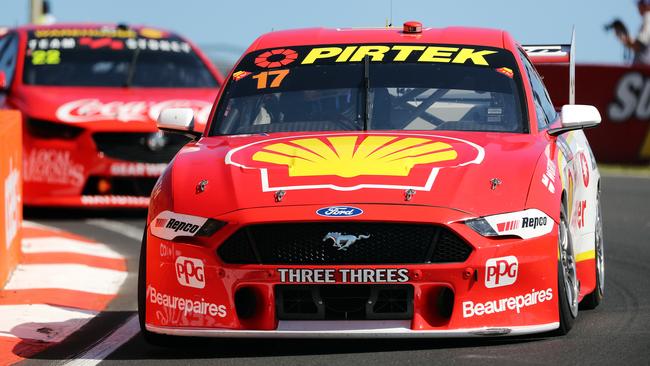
(344, 275)
(190, 272)
(161, 45)
(276, 58)
(580, 212)
(550, 50)
(506, 71)
(169, 225)
(508, 225)
(51, 44)
(501, 271)
(548, 178)
(12, 203)
(339, 211)
(632, 98)
(165, 250)
(114, 201)
(400, 53)
(525, 224)
(152, 33)
(94, 110)
(343, 241)
(187, 306)
(137, 169)
(349, 162)
(52, 166)
(584, 165)
(84, 32)
(97, 43)
(240, 75)
(516, 303)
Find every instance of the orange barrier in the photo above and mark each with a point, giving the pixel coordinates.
(11, 211)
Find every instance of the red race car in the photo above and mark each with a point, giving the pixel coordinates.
(377, 183)
(89, 96)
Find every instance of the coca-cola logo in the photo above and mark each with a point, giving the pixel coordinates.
(94, 110)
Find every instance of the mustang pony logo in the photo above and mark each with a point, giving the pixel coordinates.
(347, 161)
(342, 242)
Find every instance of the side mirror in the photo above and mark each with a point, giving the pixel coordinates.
(178, 120)
(4, 85)
(576, 117)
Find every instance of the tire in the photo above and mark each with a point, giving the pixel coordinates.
(155, 339)
(592, 300)
(568, 286)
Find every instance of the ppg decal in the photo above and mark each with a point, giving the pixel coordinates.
(190, 272)
(501, 271)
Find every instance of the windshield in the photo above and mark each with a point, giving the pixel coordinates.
(113, 58)
(373, 87)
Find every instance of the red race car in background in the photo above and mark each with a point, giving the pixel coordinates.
(89, 97)
(377, 183)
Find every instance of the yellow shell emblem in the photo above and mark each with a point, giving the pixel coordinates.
(346, 157)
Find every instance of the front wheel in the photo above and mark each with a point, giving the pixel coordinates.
(568, 286)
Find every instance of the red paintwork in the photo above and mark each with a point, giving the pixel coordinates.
(235, 195)
(83, 159)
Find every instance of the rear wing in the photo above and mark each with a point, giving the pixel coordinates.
(556, 54)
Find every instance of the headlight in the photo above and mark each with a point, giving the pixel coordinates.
(525, 224)
(169, 225)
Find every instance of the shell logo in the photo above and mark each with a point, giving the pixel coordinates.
(341, 156)
(354, 161)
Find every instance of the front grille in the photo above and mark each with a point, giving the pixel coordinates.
(305, 243)
(133, 146)
(123, 186)
(344, 302)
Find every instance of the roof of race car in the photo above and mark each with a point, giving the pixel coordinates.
(315, 36)
(60, 26)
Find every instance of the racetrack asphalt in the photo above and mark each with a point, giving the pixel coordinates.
(617, 332)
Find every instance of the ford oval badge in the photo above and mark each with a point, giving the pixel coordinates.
(339, 211)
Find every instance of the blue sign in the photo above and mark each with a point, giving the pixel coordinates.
(339, 211)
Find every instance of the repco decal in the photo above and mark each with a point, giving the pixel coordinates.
(347, 162)
(169, 225)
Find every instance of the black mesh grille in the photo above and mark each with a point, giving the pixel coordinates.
(305, 243)
(133, 146)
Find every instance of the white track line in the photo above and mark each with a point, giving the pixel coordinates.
(76, 277)
(41, 322)
(54, 244)
(130, 231)
(108, 345)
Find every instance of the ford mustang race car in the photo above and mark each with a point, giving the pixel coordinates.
(89, 97)
(377, 183)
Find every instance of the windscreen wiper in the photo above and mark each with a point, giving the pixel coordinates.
(366, 87)
(131, 71)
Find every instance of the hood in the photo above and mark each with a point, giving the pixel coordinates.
(446, 169)
(121, 109)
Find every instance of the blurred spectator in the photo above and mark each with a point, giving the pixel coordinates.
(641, 44)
